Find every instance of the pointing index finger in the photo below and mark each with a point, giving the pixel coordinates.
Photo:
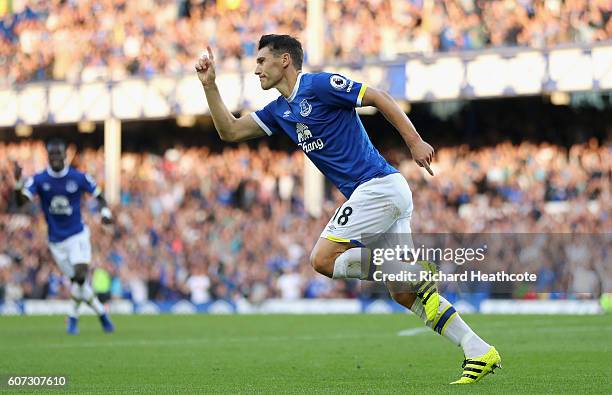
(210, 53)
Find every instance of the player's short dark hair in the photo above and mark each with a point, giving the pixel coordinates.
(283, 43)
(54, 142)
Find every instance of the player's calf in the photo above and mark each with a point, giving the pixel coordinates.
(82, 291)
(406, 299)
(344, 259)
(321, 264)
(78, 279)
(341, 260)
(325, 254)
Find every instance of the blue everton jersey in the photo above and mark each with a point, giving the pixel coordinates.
(60, 198)
(320, 117)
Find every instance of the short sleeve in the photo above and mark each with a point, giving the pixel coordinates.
(337, 90)
(30, 188)
(88, 184)
(265, 119)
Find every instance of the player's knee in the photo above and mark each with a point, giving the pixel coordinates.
(78, 278)
(406, 299)
(80, 274)
(321, 263)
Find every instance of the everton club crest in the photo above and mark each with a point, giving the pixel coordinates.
(305, 108)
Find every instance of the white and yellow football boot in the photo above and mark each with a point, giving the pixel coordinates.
(474, 369)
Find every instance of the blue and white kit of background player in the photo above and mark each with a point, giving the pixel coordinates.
(60, 198)
(320, 117)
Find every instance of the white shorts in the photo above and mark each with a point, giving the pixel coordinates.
(381, 205)
(75, 249)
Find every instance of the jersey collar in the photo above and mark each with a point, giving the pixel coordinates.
(57, 174)
(295, 88)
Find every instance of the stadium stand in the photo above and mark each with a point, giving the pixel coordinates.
(206, 225)
(109, 40)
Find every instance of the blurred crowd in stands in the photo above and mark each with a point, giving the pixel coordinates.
(205, 225)
(86, 40)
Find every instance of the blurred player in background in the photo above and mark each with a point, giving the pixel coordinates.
(317, 111)
(60, 188)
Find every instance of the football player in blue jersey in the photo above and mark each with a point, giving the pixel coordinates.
(60, 188)
(317, 111)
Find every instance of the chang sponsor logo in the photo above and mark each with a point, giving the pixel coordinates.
(306, 140)
(312, 145)
(303, 133)
(60, 205)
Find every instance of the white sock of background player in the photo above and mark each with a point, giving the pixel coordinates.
(87, 295)
(75, 292)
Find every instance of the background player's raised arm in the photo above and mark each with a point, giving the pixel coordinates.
(18, 185)
(229, 127)
(422, 152)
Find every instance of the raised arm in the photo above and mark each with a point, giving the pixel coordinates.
(229, 127)
(20, 196)
(422, 153)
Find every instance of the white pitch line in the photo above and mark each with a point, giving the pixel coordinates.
(413, 331)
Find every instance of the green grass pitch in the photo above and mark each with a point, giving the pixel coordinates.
(324, 354)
